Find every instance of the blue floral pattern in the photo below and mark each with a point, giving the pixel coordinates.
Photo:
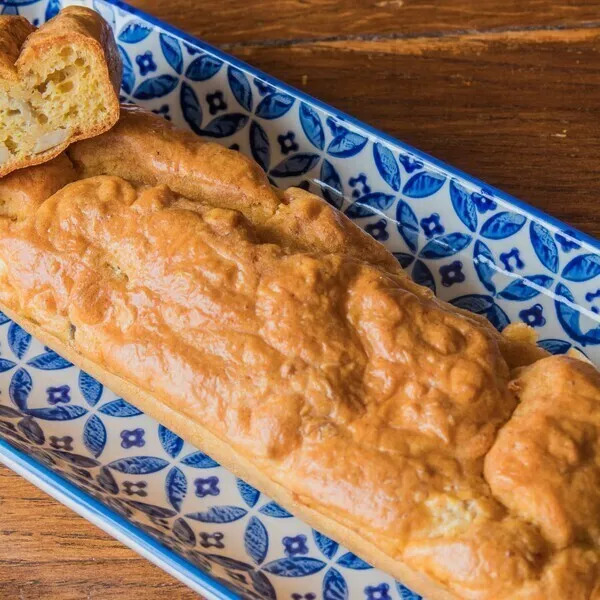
(533, 316)
(207, 487)
(61, 443)
(137, 488)
(132, 438)
(469, 244)
(511, 260)
(452, 273)
(378, 592)
(378, 230)
(215, 102)
(58, 395)
(295, 545)
(431, 225)
(145, 63)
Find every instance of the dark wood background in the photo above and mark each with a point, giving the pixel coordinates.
(507, 90)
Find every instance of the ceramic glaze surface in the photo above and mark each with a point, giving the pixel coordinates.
(470, 244)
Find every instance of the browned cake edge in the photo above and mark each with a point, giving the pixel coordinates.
(239, 465)
(84, 26)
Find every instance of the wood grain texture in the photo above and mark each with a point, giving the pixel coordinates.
(506, 90)
(47, 552)
(271, 21)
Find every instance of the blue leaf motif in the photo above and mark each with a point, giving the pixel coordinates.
(386, 165)
(256, 540)
(582, 268)
(6, 365)
(9, 9)
(85, 462)
(134, 32)
(20, 388)
(171, 51)
(198, 560)
(476, 303)
(50, 361)
(445, 245)
(106, 481)
(544, 246)
(569, 318)
(272, 509)
(351, 561)
(311, 125)
(119, 408)
(483, 305)
(90, 389)
(345, 143)
(521, 289)
(262, 586)
(358, 211)
(3, 319)
(7, 411)
(249, 494)
(404, 259)
(502, 225)
(52, 9)
(219, 514)
(106, 12)
(331, 185)
(58, 413)
(326, 545)
(18, 340)
(405, 593)
(483, 259)
(176, 487)
(184, 533)
(171, 442)
(225, 125)
(423, 184)
(297, 164)
(203, 67)
(555, 346)
(422, 275)
(407, 224)
(199, 460)
(296, 566)
(139, 465)
(259, 145)
(152, 510)
(192, 111)
(94, 435)
(31, 430)
(128, 78)
(240, 87)
(463, 205)
(334, 586)
(229, 563)
(369, 205)
(497, 317)
(274, 106)
(155, 87)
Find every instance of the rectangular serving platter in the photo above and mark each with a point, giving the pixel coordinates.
(472, 244)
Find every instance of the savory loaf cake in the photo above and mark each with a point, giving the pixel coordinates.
(58, 84)
(265, 328)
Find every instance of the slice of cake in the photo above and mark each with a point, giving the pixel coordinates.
(58, 84)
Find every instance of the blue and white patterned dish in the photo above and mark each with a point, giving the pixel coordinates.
(471, 244)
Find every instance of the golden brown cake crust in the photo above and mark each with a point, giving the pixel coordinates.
(145, 149)
(23, 47)
(82, 25)
(328, 380)
(13, 33)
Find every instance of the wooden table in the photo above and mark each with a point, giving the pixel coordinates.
(504, 89)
